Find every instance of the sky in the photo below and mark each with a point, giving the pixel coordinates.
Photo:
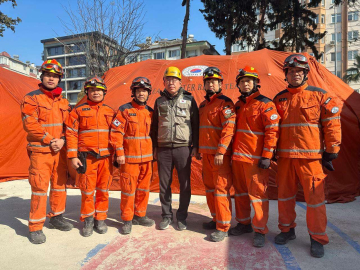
(40, 20)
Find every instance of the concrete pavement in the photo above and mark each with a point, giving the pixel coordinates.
(149, 248)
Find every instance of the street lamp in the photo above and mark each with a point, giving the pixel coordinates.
(69, 45)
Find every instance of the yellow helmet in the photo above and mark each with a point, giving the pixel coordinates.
(172, 72)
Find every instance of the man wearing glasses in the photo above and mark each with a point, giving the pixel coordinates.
(175, 135)
(310, 137)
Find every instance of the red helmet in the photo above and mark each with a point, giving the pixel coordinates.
(247, 72)
(212, 73)
(52, 66)
(141, 82)
(95, 81)
(296, 60)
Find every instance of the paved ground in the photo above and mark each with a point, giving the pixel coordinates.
(149, 248)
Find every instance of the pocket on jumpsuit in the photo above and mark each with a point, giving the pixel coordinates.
(318, 181)
(311, 112)
(125, 182)
(34, 179)
(258, 186)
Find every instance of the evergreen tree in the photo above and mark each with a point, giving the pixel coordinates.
(353, 73)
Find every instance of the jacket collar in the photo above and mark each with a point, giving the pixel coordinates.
(297, 89)
(137, 106)
(55, 93)
(92, 103)
(249, 98)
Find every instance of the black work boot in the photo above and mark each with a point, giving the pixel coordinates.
(209, 225)
(283, 237)
(100, 226)
(181, 225)
(218, 236)
(37, 237)
(316, 249)
(241, 229)
(164, 224)
(126, 228)
(143, 221)
(58, 222)
(259, 240)
(88, 226)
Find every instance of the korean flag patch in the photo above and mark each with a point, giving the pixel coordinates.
(116, 122)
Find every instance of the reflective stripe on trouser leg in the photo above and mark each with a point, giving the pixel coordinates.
(242, 200)
(312, 179)
(87, 184)
(143, 189)
(257, 181)
(41, 168)
(103, 183)
(222, 181)
(58, 180)
(129, 173)
(287, 182)
(209, 183)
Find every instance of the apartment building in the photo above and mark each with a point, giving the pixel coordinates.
(14, 64)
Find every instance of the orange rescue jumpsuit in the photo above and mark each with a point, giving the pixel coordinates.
(217, 123)
(43, 116)
(130, 133)
(310, 124)
(88, 130)
(257, 132)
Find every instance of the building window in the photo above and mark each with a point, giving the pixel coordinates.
(159, 55)
(77, 60)
(131, 59)
(322, 18)
(316, 20)
(353, 35)
(76, 72)
(144, 57)
(323, 3)
(338, 73)
(73, 97)
(191, 53)
(277, 26)
(55, 50)
(338, 37)
(322, 59)
(352, 54)
(239, 48)
(61, 61)
(338, 18)
(338, 56)
(76, 85)
(62, 85)
(353, 16)
(174, 53)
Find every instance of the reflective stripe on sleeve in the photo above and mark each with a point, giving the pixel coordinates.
(245, 155)
(330, 118)
(137, 138)
(301, 150)
(72, 150)
(300, 125)
(93, 130)
(242, 219)
(208, 147)
(269, 150)
(52, 125)
(222, 145)
(228, 122)
(272, 125)
(120, 148)
(72, 129)
(143, 156)
(221, 195)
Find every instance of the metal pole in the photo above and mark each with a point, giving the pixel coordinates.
(335, 38)
(66, 95)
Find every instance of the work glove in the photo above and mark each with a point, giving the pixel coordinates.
(264, 163)
(327, 159)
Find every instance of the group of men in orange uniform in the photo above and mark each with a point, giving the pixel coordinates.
(300, 127)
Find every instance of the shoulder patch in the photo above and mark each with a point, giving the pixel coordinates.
(35, 93)
(263, 99)
(125, 106)
(80, 105)
(281, 93)
(223, 97)
(315, 89)
(149, 108)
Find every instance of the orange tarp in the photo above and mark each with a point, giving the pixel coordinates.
(342, 185)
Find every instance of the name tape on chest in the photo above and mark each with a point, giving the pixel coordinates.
(282, 99)
(86, 109)
(327, 101)
(132, 114)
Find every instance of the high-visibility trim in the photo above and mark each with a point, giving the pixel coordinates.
(314, 233)
(101, 211)
(104, 149)
(287, 199)
(87, 193)
(145, 190)
(269, 150)
(211, 127)
(93, 130)
(245, 155)
(72, 150)
(272, 125)
(35, 145)
(138, 211)
(210, 190)
(120, 148)
(58, 213)
(102, 190)
(315, 205)
(128, 194)
(221, 195)
(36, 220)
(285, 225)
(137, 138)
(208, 147)
(241, 194)
(243, 219)
(222, 145)
(250, 132)
(53, 125)
(72, 129)
(39, 194)
(89, 214)
(259, 228)
(301, 150)
(300, 125)
(59, 190)
(330, 118)
(259, 200)
(223, 222)
(228, 122)
(44, 136)
(26, 116)
(143, 156)
(213, 214)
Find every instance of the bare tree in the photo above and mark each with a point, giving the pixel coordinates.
(106, 30)
(185, 28)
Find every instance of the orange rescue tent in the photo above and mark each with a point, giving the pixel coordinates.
(341, 186)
